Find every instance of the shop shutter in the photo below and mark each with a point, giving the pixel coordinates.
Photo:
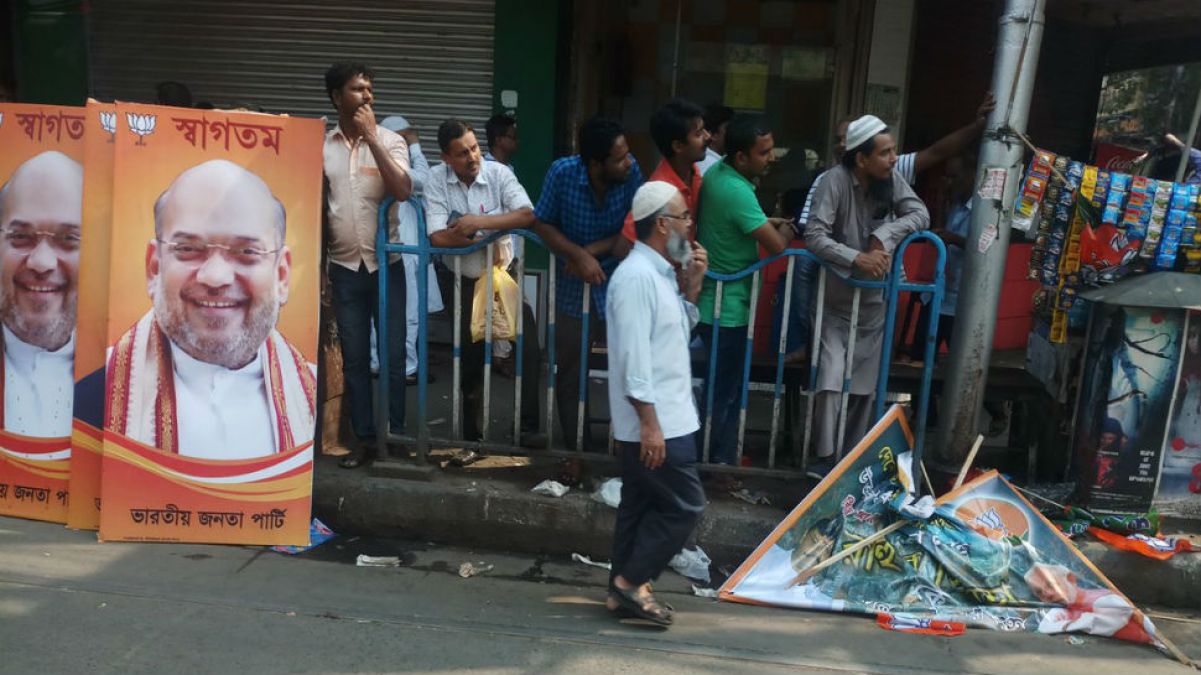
(433, 58)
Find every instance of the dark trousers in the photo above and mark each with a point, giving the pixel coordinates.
(569, 331)
(658, 511)
(946, 323)
(727, 389)
(356, 307)
(800, 312)
(473, 368)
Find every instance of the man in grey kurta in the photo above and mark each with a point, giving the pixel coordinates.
(862, 210)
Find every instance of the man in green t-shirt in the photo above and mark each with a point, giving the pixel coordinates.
(732, 226)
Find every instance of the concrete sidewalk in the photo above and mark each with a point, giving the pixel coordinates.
(491, 506)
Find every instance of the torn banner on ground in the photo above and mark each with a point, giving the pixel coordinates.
(985, 557)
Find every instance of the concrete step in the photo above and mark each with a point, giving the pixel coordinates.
(493, 508)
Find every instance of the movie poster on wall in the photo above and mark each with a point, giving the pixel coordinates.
(41, 172)
(1132, 356)
(83, 510)
(212, 327)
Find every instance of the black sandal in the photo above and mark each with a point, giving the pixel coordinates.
(650, 611)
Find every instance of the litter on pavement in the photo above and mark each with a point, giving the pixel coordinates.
(471, 569)
(550, 488)
(589, 561)
(377, 561)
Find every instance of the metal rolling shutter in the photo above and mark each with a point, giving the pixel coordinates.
(433, 58)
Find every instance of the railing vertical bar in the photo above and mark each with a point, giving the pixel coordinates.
(456, 390)
(712, 371)
(847, 374)
(584, 344)
(519, 342)
(489, 309)
(780, 349)
(551, 370)
(383, 382)
(746, 368)
(423, 261)
(815, 349)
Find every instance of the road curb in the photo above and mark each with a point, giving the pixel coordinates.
(497, 514)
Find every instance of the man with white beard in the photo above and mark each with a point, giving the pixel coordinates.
(205, 374)
(40, 213)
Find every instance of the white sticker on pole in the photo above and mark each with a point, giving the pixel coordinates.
(993, 186)
(987, 237)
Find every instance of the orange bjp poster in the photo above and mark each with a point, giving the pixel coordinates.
(83, 510)
(41, 197)
(212, 327)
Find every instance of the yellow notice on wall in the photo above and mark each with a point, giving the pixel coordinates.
(746, 77)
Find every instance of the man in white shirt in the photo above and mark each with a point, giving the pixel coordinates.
(404, 221)
(467, 199)
(649, 317)
(716, 119)
(205, 374)
(363, 163)
(40, 214)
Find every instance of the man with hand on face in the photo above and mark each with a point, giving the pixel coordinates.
(732, 227)
(467, 199)
(678, 129)
(650, 316)
(861, 211)
(364, 163)
(584, 202)
(40, 213)
(204, 373)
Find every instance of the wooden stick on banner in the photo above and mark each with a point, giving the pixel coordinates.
(858, 546)
(1039, 497)
(863, 543)
(929, 485)
(1173, 649)
(967, 463)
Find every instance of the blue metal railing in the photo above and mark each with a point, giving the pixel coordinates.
(892, 286)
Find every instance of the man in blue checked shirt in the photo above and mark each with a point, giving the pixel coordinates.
(580, 214)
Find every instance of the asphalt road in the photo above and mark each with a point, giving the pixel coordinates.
(71, 605)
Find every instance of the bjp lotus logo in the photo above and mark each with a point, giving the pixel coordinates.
(994, 518)
(108, 121)
(142, 125)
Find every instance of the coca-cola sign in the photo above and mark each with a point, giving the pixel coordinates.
(1113, 157)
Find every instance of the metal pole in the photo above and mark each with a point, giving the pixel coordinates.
(1190, 139)
(1018, 42)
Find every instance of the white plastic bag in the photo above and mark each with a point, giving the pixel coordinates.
(550, 488)
(609, 493)
(692, 563)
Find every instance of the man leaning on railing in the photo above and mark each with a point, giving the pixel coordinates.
(732, 227)
(584, 201)
(466, 200)
(861, 211)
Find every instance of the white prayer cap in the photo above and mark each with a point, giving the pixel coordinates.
(651, 197)
(862, 129)
(394, 123)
